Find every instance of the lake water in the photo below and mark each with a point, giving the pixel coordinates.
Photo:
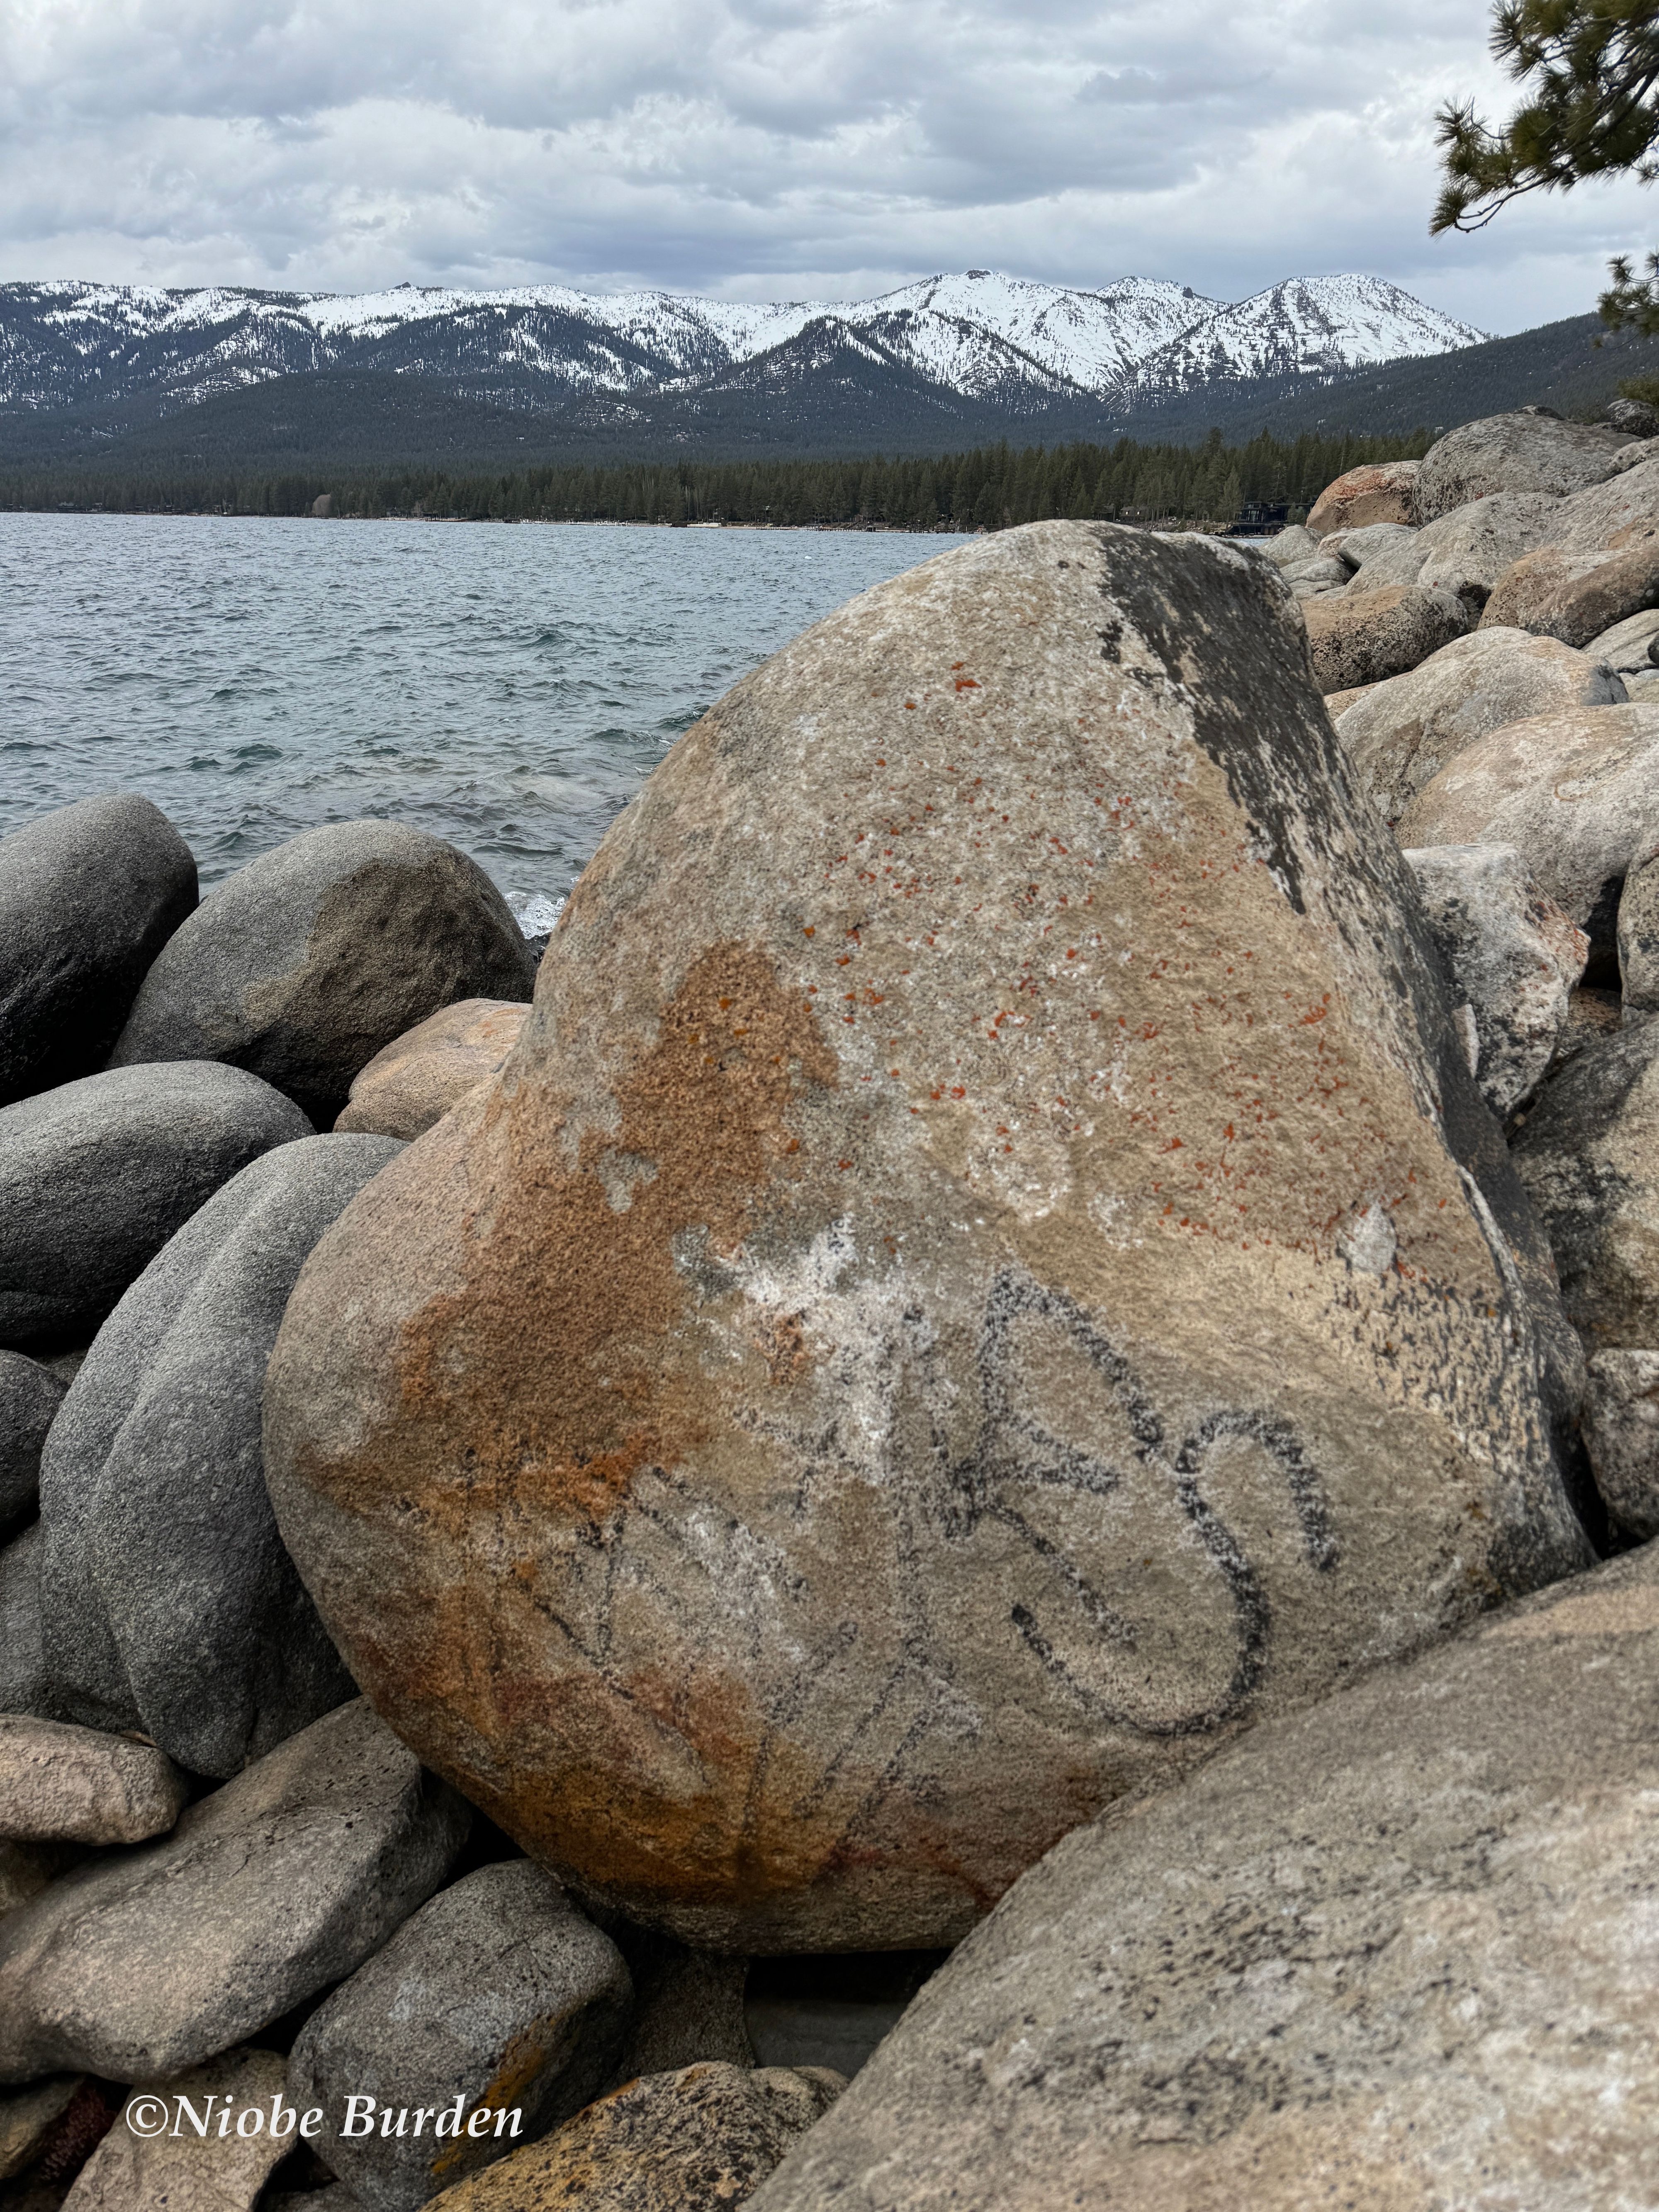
(506, 687)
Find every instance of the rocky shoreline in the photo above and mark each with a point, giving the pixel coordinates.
(1002, 1416)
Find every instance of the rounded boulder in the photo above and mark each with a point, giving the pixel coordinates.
(168, 1602)
(1365, 637)
(415, 1080)
(1380, 491)
(97, 1174)
(1530, 450)
(88, 895)
(985, 1272)
(304, 964)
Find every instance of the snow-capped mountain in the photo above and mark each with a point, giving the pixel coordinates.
(1308, 325)
(1004, 341)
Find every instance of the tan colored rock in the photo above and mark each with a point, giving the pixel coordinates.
(418, 1077)
(1530, 450)
(1620, 512)
(27, 2118)
(133, 2170)
(1364, 637)
(1574, 596)
(75, 1785)
(1627, 647)
(788, 1493)
(1639, 938)
(1589, 1155)
(1469, 550)
(1337, 703)
(1380, 491)
(1577, 791)
(707, 2135)
(25, 1871)
(1401, 733)
(1397, 1954)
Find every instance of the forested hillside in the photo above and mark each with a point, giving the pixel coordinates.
(991, 487)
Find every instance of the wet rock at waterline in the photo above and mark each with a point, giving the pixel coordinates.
(167, 1602)
(1530, 450)
(77, 1785)
(305, 964)
(96, 1175)
(88, 895)
(498, 1991)
(1589, 1155)
(1398, 1952)
(1401, 733)
(1367, 637)
(415, 1080)
(1513, 957)
(280, 1883)
(976, 1100)
(705, 2136)
(30, 1395)
(1622, 1434)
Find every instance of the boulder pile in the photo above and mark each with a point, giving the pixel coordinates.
(1033, 1377)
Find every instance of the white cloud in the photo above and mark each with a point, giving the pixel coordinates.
(762, 147)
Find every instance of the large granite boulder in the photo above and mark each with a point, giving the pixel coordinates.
(1365, 637)
(30, 1395)
(1621, 1435)
(1577, 791)
(168, 1602)
(96, 1175)
(283, 1881)
(1589, 1155)
(77, 1785)
(88, 895)
(705, 2136)
(1377, 491)
(1400, 734)
(1531, 450)
(1619, 512)
(1512, 958)
(498, 1993)
(415, 1080)
(1398, 1953)
(1469, 550)
(985, 1272)
(303, 965)
(1574, 596)
(1627, 646)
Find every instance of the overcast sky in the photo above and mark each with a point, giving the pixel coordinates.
(765, 149)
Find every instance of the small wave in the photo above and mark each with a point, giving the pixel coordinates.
(536, 912)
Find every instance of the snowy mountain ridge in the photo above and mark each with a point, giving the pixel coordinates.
(1006, 340)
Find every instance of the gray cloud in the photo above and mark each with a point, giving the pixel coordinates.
(762, 147)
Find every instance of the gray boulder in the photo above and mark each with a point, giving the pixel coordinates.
(1577, 791)
(1394, 562)
(283, 1881)
(1621, 1435)
(689, 2005)
(24, 1687)
(1513, 957)
(1469, 550)
(75, 1785)
(88, 895)
(304, 964)
(1395, 1953)
(1366, 637)
(1354, 547)
(1638, 938)
(96, 1175)
(1589, 1155)
(1575, 596)
(27, 2118)
(30, 1395)
(1290, 547)
(1401, 733)
(498, 1992)
(168, 1603)
(1531, 450)
(1633, 417)
(1617, 513)
(1627, 647)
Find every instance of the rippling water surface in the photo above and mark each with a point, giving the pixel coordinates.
(506, 687)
